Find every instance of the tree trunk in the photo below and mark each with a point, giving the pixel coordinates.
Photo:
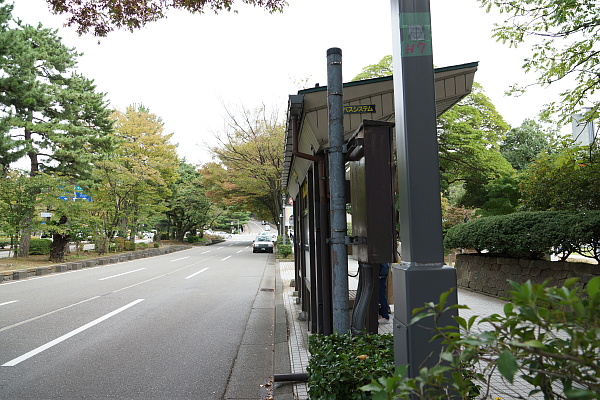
(25, 236)
(57, 249)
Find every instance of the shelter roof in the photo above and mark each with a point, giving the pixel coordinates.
(372, 98)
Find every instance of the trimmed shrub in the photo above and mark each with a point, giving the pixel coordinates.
(39, 246)
(284, 250)
(119, 243)
(341, 364)
(530, 234)
(129, 245)
(142, 245)
(156, 245)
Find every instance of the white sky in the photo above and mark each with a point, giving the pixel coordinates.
(184, 68)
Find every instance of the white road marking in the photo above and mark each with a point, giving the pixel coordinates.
(124, 273)
(8, 302)
(45, 315)
(240, 251)
(160, 276)
(182, 258)
(56, 341)
(226, 258)
(194, 274)
(208, 251)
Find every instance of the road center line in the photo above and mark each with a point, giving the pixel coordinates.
(8, 302)
(208, 251)
(182, 258)
(194, 274)
(163, 275)
(226, 258)
(56, 341)
(124, 273)
(240, 251)
(45, 315)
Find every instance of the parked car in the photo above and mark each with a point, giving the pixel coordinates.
(262, 243)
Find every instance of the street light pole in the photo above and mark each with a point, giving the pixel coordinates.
(421, 276)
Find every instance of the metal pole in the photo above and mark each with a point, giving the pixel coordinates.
(337, 189)
(421, 276)
(283, 218)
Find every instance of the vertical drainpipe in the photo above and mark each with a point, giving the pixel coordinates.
(337, 189)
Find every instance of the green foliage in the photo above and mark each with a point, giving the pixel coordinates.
(523, 144)
(193, 239)
(119, 243)
(565, 180)
(156, 245)
(547, 336)
(129, 245)
(564, 37)
(141, 246)
(284, 250)
(4, 243)
(530, 234)
(39, 246)
(248, 172)
(469, 135)
(383, 68)
(337, 367)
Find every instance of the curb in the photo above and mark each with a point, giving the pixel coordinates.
(22, 274)
(281, 356)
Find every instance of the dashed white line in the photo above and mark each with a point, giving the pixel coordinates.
(45, 315)
(124, 273)
(226, 258)
(56, 341)
(182, 258)
(8, 302)
(240, 250)
(194, 274)
(208, 251)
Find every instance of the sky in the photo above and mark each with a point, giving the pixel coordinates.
(187, 69)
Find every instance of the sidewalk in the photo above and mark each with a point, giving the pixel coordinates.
(479, 304)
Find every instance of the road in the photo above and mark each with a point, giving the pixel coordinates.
(178, 326)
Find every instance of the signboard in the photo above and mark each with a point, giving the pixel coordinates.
(46, 215)
(359, 109)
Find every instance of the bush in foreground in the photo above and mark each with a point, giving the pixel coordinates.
(340, 364)
(547, 336)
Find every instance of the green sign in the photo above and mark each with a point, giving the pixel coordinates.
(360, 109)
(415, 31)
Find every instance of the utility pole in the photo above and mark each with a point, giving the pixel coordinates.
(421, 276)
(337, 190)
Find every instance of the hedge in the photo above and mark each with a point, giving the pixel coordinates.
(39, 246)
(530, 234)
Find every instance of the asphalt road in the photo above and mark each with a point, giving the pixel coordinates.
(165, 327)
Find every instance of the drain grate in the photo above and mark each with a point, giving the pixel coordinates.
(267, 290)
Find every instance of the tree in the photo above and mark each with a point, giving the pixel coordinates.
(522, 144)
(49, 112)
(566, 180)
(383, 68)
(187, 207)
(565, 45)
(133, 182)
(248, 174)
(469, 136)
(103, 16)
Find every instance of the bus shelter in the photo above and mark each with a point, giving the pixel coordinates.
(368, 133)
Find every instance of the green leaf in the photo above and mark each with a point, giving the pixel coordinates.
(593, 286)
(507, 365)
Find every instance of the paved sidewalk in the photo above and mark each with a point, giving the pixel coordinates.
(298, 336)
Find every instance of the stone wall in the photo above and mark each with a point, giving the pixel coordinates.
(490, 274)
